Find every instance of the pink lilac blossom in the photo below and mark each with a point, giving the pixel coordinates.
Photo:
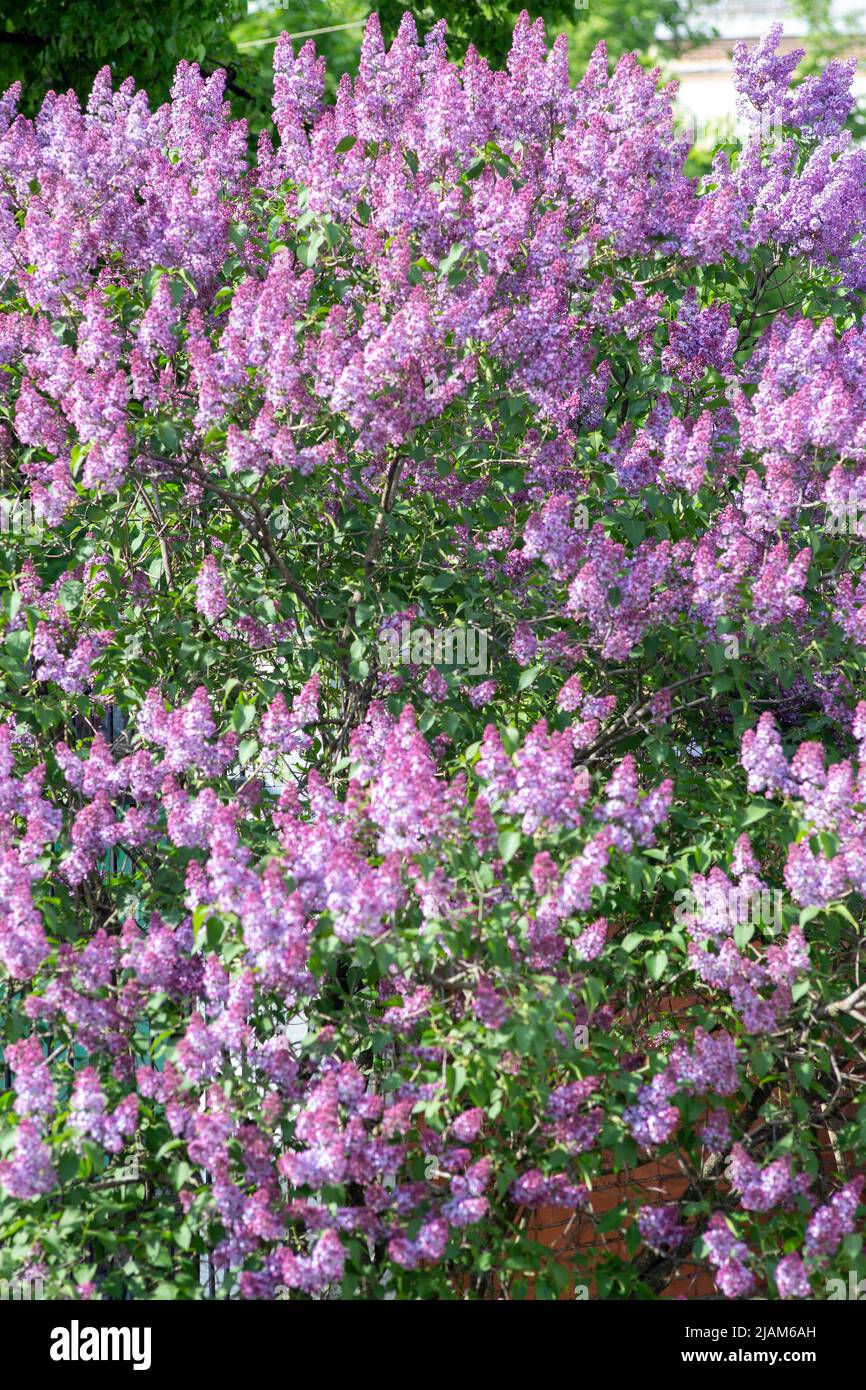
(210, 597)
(830, 1223)
(28, 1173)
(660, 1227)
(792, 1279)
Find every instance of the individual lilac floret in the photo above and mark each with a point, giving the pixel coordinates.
(711, 1065)
(533, 1189)
(88, 1117)
(210, 598)
(832, 1222)
(660, 1227)
(314, 1273)
(590, 943)
(34, 1087)
(792, 1281)
(728, 1255)
(763, 758)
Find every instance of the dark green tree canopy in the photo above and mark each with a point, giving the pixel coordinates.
(63, 43)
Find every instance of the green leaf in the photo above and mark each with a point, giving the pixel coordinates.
(71, 594)
(631, 940)
(447, 263)
(508, 843)
(68, 1166)
(247, 750)
(529, 676)
(180, 1172)
(17, 643)
(656, 964)
(807, 913)
(743, 933)
(438, 583)
(167, 435)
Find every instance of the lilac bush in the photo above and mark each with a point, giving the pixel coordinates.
(323, 973)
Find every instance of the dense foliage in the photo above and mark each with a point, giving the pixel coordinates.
(64, 43)
(325, 963)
